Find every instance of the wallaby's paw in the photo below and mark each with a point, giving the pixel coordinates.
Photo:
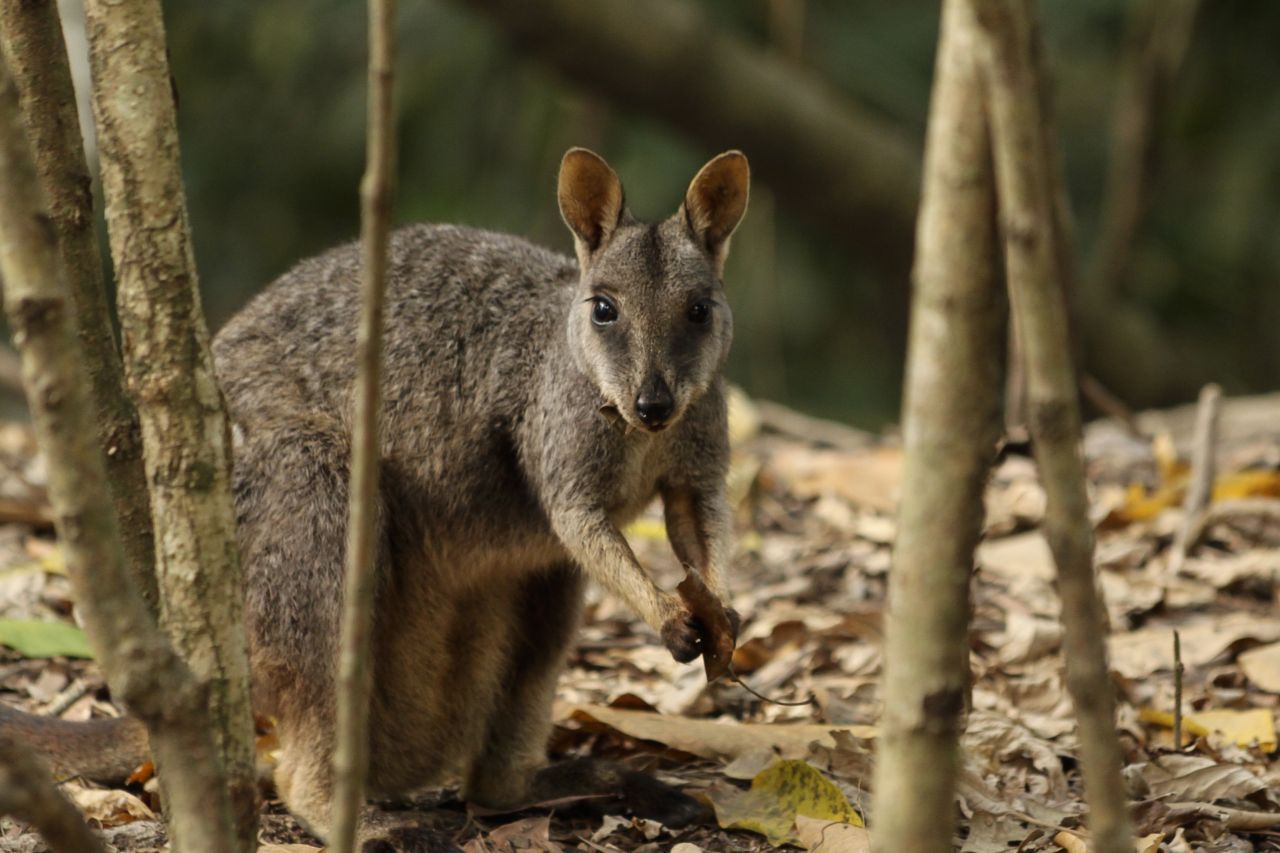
(682, 635)
(409, 839)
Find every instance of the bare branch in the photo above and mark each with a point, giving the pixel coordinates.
(170, 373)
(1028, 192)
(1160, 34)
(139, 665)
(27, 790)
(839, 167)
(31, 36)
(355, 673)
(950, 426)
(1200, 490)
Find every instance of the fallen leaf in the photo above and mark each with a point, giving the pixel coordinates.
(710, 739)
(1140, 653)
(717, 630)
(288, 848)
(34, 638)
(827, 836)
(1262, 667)
(531, 833)
(1074, 842)
(778, 794)
(1199, 778)
(1022, 555)
(108, 807)
(1243, 728)
(871, 478)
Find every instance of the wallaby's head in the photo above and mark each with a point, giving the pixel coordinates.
(649, 322)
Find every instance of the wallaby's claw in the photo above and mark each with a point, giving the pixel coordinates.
(682, 635)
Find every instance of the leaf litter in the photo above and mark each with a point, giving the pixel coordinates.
(815, 528)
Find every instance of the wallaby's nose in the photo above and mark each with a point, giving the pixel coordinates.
(654, 404)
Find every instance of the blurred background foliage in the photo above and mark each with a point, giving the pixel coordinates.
(272, 119)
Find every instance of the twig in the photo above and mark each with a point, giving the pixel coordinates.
(139, 664)
(950, 425)
(1202, 475)
(1105, 401)
(1177, 690)
(27, 791)
(1160, 34)
(1028, 191)
(737, 679)
(785, 420)
(355, 674)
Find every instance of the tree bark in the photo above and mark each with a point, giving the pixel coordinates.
(27, 791)
(31, 37)
(355, 671)
(1027, 195)
(842, 169)
(170, 372)
(138, 662)
(950, 426)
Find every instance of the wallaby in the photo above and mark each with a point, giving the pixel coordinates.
(533, 406)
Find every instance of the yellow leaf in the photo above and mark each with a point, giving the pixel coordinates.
(1074, 842)
(1247, 484)
(779, 793)
(1071, 842)
(1243, 728)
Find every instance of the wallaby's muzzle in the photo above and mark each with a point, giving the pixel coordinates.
(654, 404)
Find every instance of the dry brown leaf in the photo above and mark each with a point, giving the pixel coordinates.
(531, 833)
(710, 739)
(870, 478)
(288, 848)
(1262, 667)
(108, 806)
(717, 630)
(828, 836)
(1138, 654)
(1021, 555)
(1199, 778)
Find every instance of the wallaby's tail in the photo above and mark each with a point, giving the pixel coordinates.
(105, 751)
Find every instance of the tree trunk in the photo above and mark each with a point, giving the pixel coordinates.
(31, 36)
(950, 425)
(1027, 191)
(355, 671)
(138, 662)
(170, 372)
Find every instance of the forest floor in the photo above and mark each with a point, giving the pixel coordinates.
(815, 516)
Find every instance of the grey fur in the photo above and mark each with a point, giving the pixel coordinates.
(502, 480)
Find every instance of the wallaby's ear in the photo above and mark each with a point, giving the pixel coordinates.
(590, 199)
(716, 201)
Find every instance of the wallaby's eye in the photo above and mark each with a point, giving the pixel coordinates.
(603, 312)
(700, 312)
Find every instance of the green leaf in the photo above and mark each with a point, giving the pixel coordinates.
(35, 639)
(778, 794)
